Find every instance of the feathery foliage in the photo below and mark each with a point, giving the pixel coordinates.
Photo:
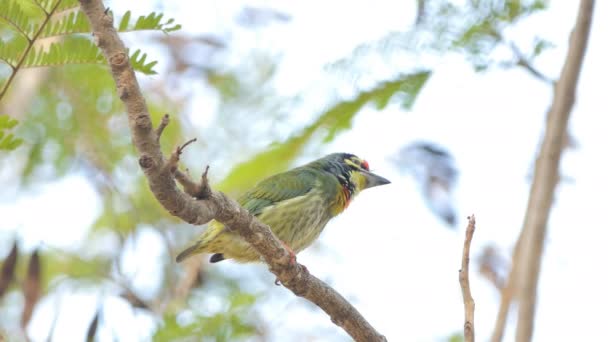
(61, 21)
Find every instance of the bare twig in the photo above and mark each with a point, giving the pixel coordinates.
(161, 127)
(522, 60)
(191, 279)
(525, 63)
(506, 295)
(217, 206)
(546, 174)
(463, 277)
(7, 275)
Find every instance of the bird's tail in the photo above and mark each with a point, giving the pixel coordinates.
(187, 252)
(201, 246)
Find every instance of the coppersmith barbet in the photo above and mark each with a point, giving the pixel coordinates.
(296, 205)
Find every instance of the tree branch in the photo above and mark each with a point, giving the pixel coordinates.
(217, 205)
(463, 277)
(523, 62)
(506, 296)
(546, 174)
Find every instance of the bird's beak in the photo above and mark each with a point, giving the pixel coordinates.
(373, 179)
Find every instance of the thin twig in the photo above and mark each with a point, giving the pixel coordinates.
(463, 277)
(217, 206)
(525, 63)
(546, 174)
(506, 296)
(161, 127)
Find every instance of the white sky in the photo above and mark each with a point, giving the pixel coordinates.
(387, 253)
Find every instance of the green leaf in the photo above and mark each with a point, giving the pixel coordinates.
(76, 22)
(8, 142)
(336, 119)
(11, 51)
(541, 45)
(62, 5)
(15, 17)
(69, 51)
(152, 21)
(124, 22)
(140, 64)
(71, 23)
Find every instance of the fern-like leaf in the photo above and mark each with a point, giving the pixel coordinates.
(8, 141)
(77, 50)
(76, 22)
(73, 22)
(139, 63)
(152, 21)
(17, 19)
(10, 51)
(59, 5)
(72, 50)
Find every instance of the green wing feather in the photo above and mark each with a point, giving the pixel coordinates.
(277, 188)
(272, 190)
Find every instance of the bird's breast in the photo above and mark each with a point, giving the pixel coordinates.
(298, 221)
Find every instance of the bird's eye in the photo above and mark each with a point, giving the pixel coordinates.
(365, 165)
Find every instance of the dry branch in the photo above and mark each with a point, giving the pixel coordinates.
(463, 277)
(216, 205)
(546, 175)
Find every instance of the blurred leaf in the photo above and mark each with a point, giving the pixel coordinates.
(92, 330)
(242, 299)
(73, 266)
(134, 300)
(221, 327)
(76, 22)
(8, 270)
(336, 119)
(32, 288)
(541, 45)
(8, 141)
(456, 337)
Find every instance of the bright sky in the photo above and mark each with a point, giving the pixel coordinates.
(387, 253)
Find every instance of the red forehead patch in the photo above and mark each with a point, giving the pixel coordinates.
(365, 165)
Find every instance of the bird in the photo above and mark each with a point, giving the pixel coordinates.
(296, 205)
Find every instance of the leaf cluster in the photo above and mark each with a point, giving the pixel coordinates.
(45, 33)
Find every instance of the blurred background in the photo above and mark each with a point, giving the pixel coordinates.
(447, 99)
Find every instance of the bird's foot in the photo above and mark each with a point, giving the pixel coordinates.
(292, 255)
(277, 282)
(292, 261)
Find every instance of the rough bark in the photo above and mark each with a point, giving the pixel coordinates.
(160, 173)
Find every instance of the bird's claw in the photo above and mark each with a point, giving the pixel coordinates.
(292, 261)
(292, 255)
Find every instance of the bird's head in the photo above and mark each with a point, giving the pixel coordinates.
(351, 171)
